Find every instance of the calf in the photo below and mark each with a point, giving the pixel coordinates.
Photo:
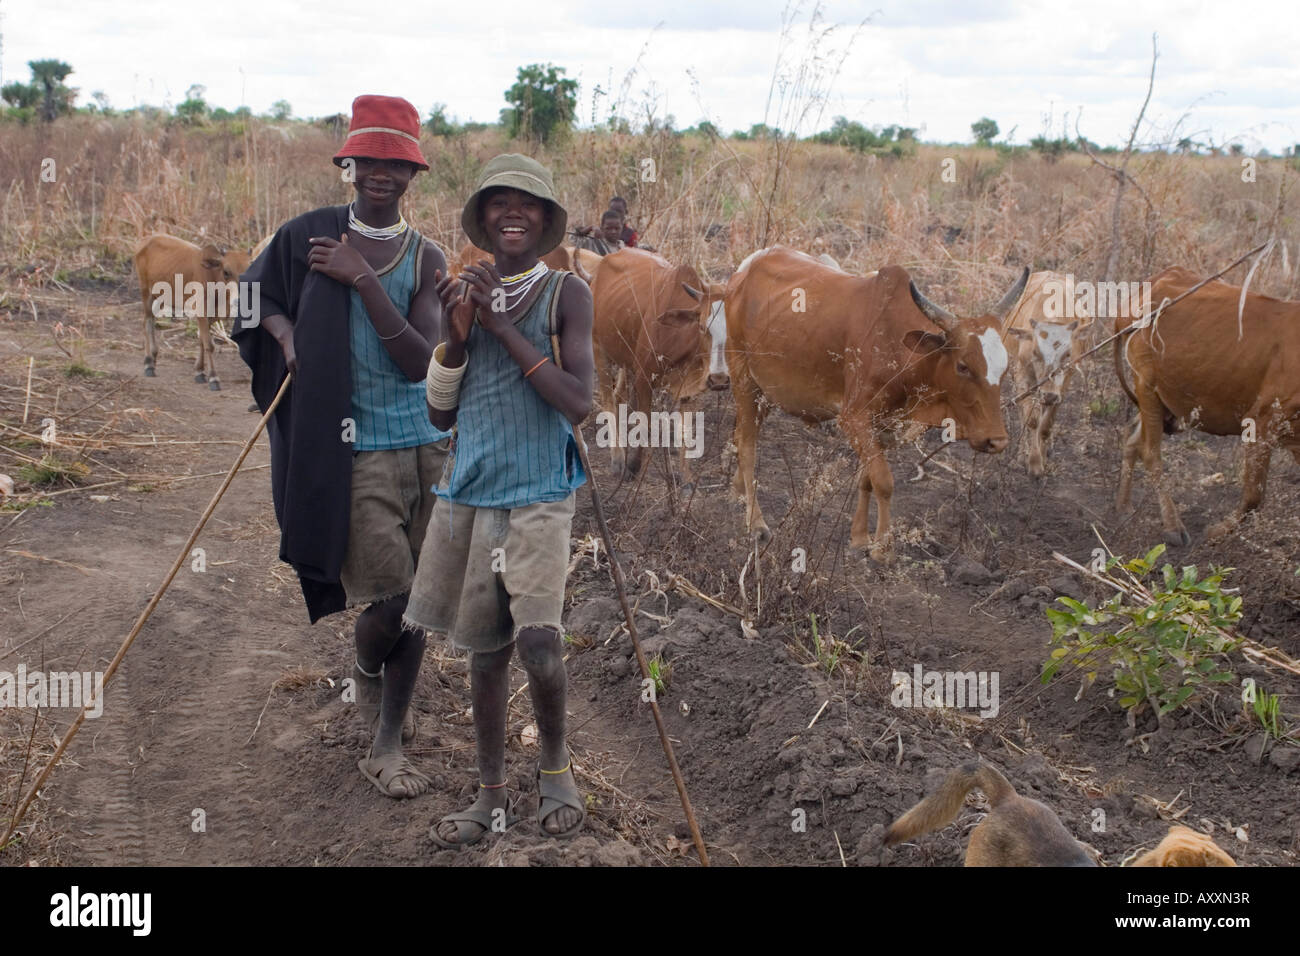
(165, 266)
(1046, 347)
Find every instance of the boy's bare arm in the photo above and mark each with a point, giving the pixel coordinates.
(281, 329)
(426, 313)
(406, 344)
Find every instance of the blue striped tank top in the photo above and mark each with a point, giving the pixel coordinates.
(512, 447)
(388, 408)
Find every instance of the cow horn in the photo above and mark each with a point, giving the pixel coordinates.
(1013, 295)
(935, 313)
(693, 292)
(577, 267)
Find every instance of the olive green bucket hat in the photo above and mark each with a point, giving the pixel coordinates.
(527, 175)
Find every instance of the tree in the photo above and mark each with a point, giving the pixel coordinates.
(542, 102)
(46, 89)
(984, 130)
(892, 140)
(20, 95)
(281, 110)
(438, 124)
(194, 109)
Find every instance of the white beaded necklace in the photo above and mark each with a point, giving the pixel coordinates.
(382, 233)
(517, 287)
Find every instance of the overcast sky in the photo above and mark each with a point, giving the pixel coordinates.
(1232, 69)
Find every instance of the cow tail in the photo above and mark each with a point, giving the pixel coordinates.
(1120, 341)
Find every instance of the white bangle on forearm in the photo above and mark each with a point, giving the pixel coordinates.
(442, 386)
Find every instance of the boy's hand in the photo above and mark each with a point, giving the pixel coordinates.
(336, 259)
(487, 292)
(459, 312)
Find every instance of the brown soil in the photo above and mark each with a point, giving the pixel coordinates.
(229, 702)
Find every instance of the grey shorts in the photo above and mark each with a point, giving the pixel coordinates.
(392, 499)
(485, 574)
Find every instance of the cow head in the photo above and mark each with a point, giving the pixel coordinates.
(1044, 349)
(969, 362)
(693, 332)
(224, 267)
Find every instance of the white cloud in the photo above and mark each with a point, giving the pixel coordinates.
(924, 62)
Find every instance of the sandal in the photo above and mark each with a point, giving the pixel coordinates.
(483, 816)
(551, 797)
(389, 769)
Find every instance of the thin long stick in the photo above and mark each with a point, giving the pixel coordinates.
(636, 646)
(144, 615)
(27, 403)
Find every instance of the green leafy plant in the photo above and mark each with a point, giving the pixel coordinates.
(1103, 407)
(661, 672)
(1162, 643)
(829, 651)
(1267, 709)
(52, 470)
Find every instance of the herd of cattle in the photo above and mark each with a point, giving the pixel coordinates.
(798, 333)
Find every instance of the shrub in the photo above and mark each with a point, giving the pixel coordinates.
(1162, 643)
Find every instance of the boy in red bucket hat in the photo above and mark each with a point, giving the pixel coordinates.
(515, 375)
(349, 307)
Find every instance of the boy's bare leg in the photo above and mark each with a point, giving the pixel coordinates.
(489, 685)
(381, 642)
(542, 654)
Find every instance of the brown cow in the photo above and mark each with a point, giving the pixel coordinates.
(266, 241)
(1189, 364)
(656, 322)
(1049, 342)
(178, 278)
(558, 258)
(871, 351)
(586, 263)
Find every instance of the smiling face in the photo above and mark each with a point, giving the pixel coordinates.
(381, 182)
(513, 220)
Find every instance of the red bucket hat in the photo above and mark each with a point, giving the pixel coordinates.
(383, 127)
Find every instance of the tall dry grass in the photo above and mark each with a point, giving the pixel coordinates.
(120, 179)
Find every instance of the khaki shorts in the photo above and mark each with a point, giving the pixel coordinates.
(392, 498)
(485, 574)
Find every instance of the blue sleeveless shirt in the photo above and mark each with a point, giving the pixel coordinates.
(389, 409)
(513, 448)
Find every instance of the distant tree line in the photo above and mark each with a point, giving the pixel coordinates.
(542, 107)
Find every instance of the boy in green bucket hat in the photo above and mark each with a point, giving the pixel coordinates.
(515, 376)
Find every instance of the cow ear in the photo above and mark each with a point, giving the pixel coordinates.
(694, 293)
(1020, 334)
(211, 257)
(924, 342)
(678, 318)
(1073, 325)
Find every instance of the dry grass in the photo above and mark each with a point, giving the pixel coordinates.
(122, 179)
